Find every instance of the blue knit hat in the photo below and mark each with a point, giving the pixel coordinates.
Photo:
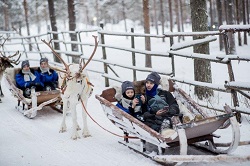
(24, 63)
(127, 85)
(154, 77)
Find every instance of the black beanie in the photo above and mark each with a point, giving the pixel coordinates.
(43, 60)
(24, 63)
(127, 85)
(154, 77)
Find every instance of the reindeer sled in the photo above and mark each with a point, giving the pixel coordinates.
(194, 132)
(30, 106)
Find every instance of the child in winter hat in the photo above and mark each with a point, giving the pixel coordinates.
(44, 60)
(126, 85)
(128, 102)
(24, 63)
(154, 77)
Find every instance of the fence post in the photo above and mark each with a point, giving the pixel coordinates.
(230, 71)
(38, 47)
(171, 55)
(104, 57)
(133, 54)
(24, 48)
(79, 37)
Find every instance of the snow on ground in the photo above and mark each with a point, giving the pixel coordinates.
(37, 141)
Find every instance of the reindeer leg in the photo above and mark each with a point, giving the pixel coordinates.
(85, 132)
(1, 92)
(75, 134)
(63, 127)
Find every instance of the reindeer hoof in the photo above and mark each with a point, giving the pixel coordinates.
(78, 128)
(75, 136)
(62, 130)
(86, 134)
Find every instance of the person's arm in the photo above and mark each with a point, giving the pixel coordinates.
(173, 106)
(20, 81)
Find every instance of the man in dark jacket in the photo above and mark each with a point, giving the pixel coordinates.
(48, 76)
(28, 78)
(161, 105)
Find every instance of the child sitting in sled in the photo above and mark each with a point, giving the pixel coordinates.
(129, 102)
(161, 104)
(27, 79)
(48, 76)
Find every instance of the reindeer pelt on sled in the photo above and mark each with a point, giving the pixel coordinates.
(75, 88)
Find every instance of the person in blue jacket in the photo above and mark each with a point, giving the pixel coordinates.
(48, 77)
(28, 78)
(129, 103)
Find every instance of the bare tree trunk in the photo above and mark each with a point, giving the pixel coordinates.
(219, 9)
(244, 20)
(72, 27)
(224, 15)
(97, 12)
(37, 18)
(247, 9)
(147, 31)
(27, 20)
(156, 18)
(202, 68)
(170, 15)
(182, 22)
(238, 20)
(124, 15)
(162, 19)
(53, 27)
(6, 15)
(230, 21)
(177, 11)
(211, 15)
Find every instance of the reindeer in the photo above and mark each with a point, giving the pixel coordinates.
(75, 87)
(6, 62)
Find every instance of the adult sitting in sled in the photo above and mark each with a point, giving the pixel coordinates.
(161, 105)
(129, 103)
(48, 76)
(27, 79)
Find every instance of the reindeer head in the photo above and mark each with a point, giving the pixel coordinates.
(74, 72)
(6, 62)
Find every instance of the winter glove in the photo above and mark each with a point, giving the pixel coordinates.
(32, 83)
(37, 84)
(148, 115)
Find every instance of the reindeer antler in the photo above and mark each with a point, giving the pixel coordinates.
(57, 55)
(16, 62)
(93, 53)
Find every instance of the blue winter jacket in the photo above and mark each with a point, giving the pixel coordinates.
(47, 78)
(21, 83)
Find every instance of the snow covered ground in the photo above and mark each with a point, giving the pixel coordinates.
(37, 142)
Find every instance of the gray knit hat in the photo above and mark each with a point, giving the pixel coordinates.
(24, 63)
(127, 85)
(43, 60)
(154, 77)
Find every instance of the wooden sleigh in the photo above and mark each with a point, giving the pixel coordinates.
(39, 99)
(194, 132)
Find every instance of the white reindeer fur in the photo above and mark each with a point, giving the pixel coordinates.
(70, 100)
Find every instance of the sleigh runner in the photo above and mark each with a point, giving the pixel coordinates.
(30, 106)
(193, 132)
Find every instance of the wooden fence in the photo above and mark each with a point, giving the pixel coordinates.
(169, 52)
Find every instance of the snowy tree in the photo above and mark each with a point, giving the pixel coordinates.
(53, 26)
(202, 68)
(147, 31)
(72, 27)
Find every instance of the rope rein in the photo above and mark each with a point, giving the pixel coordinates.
(103, 127)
